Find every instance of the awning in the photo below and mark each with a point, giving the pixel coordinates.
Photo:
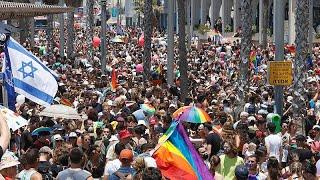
(12, 10)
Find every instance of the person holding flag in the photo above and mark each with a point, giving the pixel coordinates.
(25, 74)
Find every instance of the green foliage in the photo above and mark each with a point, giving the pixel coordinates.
(203, 29)
(228, 28)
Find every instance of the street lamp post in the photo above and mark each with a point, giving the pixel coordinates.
(103, 36)
(279, 45)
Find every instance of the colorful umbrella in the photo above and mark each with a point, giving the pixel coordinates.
(191, 114)
(41, 129)
(14, 120)
(148, 108)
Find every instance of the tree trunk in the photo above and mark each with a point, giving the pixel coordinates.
(90, 25)
(265, 13)
(71, 36)
(246, 43)
(49, 34)
(302, 24)
(148, 17)
(183, 63)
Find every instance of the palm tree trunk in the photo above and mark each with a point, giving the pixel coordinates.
(183, 63)
(50, 35)
(71, 36)
(90, 25)
(302, 23)
(265, 24)
(246, 43)
(148, 17)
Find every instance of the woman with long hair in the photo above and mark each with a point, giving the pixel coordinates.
(273, 167)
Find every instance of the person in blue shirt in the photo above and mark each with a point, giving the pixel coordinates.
(125, 171)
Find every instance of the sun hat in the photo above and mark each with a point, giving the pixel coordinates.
(8, 160)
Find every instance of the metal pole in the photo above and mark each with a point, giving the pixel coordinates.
(103, 36)
(170, 42)
(279, 45)
(61, 19)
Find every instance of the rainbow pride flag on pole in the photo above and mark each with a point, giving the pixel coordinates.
(177, 158)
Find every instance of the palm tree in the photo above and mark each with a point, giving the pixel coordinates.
(265, 23)
(302, 23)
(147, 38)
(156, 8)
(89, 30)
(246, 43)
(70, 25)
(183, 63)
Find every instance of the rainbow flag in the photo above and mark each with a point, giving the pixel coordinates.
(177, 158)
(114, 80)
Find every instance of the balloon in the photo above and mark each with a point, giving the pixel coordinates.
(139, 68)
(96, 42)
(141, 41)
(20, 99)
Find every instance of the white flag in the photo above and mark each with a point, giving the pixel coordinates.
(30, 77)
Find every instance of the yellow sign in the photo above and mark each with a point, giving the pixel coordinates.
(280, 73)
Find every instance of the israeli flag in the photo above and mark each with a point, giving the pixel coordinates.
(28, 75)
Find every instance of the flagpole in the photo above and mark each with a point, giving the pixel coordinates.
(3, 38)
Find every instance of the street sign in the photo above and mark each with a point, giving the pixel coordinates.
(280, 73)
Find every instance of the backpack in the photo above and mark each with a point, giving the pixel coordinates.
(121, 175)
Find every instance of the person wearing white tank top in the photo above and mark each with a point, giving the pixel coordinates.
(30, 163)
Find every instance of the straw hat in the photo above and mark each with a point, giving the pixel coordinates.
(8, 160)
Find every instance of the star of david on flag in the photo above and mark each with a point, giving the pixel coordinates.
(25, 71)
(25, 74)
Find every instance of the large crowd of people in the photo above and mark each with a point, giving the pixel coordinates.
(114, 137)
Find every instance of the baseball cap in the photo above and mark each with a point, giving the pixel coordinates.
(124, 134)
(45, 149)
(8, 160)
(57, 137)
(126, 154)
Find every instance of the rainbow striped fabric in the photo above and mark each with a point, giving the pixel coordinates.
(114, 80)
(177, 158)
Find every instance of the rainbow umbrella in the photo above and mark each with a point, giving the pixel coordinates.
(191, 114)
(148, 108)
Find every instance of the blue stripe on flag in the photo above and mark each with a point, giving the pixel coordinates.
(18, 47)
(8, 80)
(33, 91)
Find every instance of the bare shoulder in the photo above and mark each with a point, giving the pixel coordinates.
(36, 176)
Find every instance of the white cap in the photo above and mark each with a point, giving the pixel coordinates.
(316, 126)
(57, 137)
(172, 105)
(142, 122)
